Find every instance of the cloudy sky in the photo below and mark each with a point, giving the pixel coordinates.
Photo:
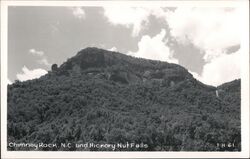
(206, 41)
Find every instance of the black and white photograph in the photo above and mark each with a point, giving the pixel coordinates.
(111, 77)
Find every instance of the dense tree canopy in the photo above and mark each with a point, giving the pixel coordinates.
(105, 97)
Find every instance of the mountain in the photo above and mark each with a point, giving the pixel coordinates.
(105, 98)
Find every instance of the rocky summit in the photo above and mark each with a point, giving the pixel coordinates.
(99, 97)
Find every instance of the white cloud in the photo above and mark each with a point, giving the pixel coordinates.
(9, 81)
(154, 48)
(44, 61)
(113, 49)
(213, 30)
(35, 52)
(78, 12)
(130, 17)
(54, 28)
(210, 29)
(136, 18)
(222, 69)
(30, 74)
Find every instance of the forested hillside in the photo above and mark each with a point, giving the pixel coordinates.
(100, 96)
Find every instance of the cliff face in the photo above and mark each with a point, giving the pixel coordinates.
(100, 96)
(121, 66)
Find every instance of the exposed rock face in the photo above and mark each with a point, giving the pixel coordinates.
(172, 83)
(54, 67)
(122, 68)
(147, 74)
(121, 77)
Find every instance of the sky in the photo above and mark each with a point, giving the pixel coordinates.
(206, 41)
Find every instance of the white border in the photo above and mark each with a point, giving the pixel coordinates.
(245, 82)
